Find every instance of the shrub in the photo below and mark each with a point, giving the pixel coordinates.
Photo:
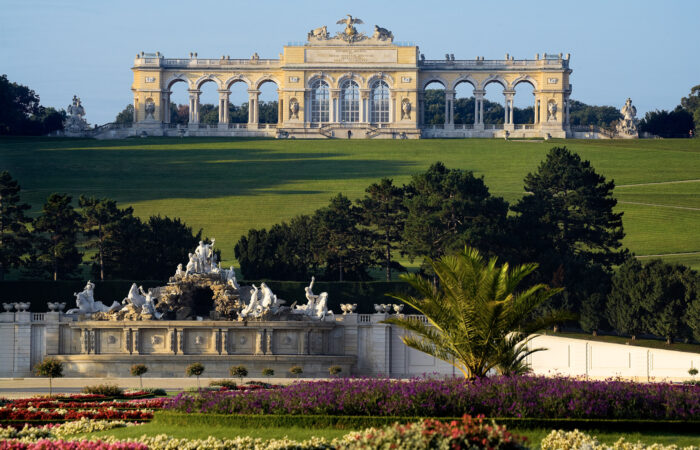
(268, 372)
(156, 391)
(108, 390)
(238, 371)
(334, 370)
(195, 369)
(51, 368)
(137, 370)
(692, 372)
(296, 370)
(228, 384)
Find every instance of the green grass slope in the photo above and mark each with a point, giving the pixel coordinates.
(227, 186)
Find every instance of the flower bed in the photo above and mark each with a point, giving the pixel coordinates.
(48, 410)
(536, 397)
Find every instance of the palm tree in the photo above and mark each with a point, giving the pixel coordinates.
(475, 318)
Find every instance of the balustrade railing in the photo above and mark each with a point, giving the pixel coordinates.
(38, 317)
(203, 62)
(491, 63)
(364, 318)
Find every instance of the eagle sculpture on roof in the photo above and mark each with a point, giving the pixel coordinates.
(349, 22)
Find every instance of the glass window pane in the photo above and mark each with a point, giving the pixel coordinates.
(379, 102)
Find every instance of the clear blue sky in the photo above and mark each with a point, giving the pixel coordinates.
(647, 50)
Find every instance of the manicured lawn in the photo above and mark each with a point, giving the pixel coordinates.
(227, 186)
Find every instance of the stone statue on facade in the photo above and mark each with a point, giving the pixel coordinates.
(349, 24)
(627, 127)
(150, 109)
(75, 122)
(382, 34)
(136, 296)
(406, 109)
(293, 109)
(552, 111)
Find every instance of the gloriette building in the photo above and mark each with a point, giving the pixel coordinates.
(351, 84)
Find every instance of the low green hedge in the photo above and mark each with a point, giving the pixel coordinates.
(360, 422)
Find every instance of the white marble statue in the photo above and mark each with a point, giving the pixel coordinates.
(135, 296)
(86, 303)
(552, 111)
(149, 305)
(75, 121)
(253, 305)
(191, 265)
(627, 127)
(230, 276)
(179, 273)
(321, 308)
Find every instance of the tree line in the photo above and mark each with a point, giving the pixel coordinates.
(122, 245)
(21, 112)
(566, 223)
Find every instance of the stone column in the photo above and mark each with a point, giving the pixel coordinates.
(335, 106)
(449, 109)
(567, 104)
(268, 341)
(172, 335)
(194, 106)
(508, 122)
(421, 109)
(137, 341)
(84, 341)
(165, 107)
(364, 105)
(225, 344)
(136, 108)
(280, 108)
(253, 97)
(479, 109)
(223, 106)
(180, 341)
(259, 342)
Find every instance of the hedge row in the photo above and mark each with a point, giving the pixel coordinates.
(360, 422)
(39, 293)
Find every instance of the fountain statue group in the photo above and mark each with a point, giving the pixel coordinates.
(247, 302)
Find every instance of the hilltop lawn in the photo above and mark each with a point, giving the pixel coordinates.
(227, 186)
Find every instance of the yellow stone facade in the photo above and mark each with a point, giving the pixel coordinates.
(351, 85)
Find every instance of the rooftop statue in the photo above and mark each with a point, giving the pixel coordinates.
(349, 24)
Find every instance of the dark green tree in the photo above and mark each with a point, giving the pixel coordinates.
(383, 210)
(17, 104)
(655, 297)
(568, 225)
(673, 124)
(56, 237)
(126, 251)
(448, 207)
(14, 235)
(208, 114)
(691, 103)
(623, 307)
(126, 116)
(601, 116)
(343, 245)
(168, 242)
(100, 216)
(692, 315)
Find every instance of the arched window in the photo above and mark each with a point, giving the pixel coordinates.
(379, 102)
(320, 100)
(349, 102)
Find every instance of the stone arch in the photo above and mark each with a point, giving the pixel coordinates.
(237, 79)
(524, 79)
(359, 79)
(319, 76)
(464, 79)
(266, 79)
(207, 78)
(434, 79)
(494, 79)
(385, 77)
(180, 77)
